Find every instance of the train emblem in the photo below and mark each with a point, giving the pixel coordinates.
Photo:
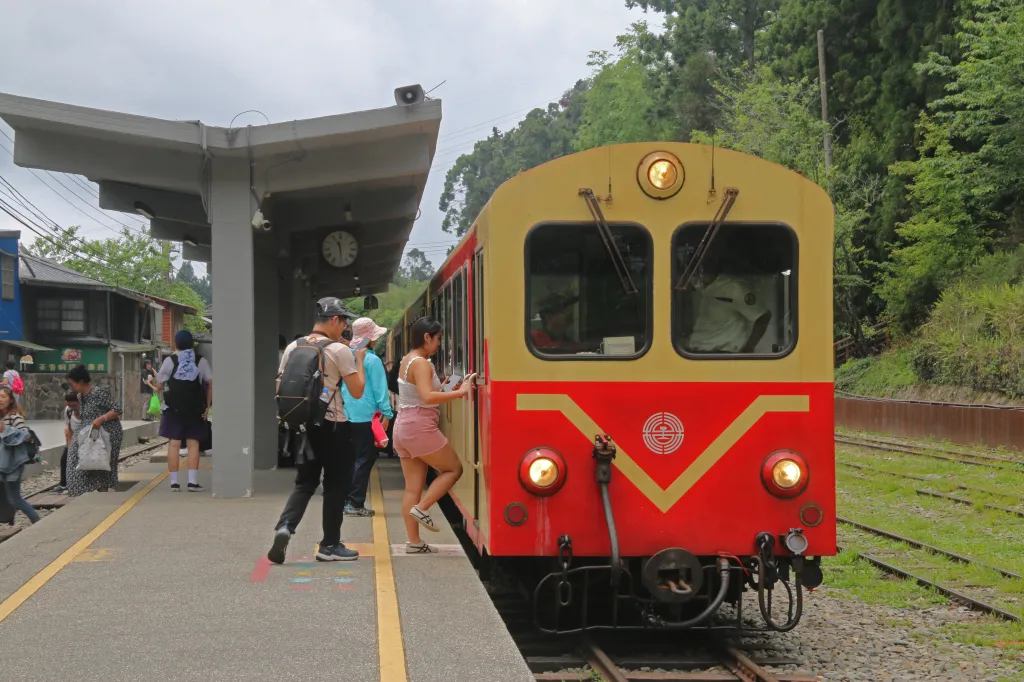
(663, 433)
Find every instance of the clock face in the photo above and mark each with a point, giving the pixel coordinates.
(340, 249)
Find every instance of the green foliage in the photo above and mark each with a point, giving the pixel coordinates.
(544, 134)
(619, 103)
(200, 285)
(392, 304)
(883, 375)
(131, 261)
(966, 185)
(415, 267)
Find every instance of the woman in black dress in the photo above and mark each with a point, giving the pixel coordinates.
(97, 410)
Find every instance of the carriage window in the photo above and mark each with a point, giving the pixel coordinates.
(577, 306)
(742, 299)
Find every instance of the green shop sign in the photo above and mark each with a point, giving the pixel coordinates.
(93, 357)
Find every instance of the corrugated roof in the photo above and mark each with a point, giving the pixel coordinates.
(42, 270)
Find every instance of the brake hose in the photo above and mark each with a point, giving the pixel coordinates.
(793, 619)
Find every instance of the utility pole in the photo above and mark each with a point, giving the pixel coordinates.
(824, 100)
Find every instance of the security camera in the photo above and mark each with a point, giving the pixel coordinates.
(409, 95)
(259, 223)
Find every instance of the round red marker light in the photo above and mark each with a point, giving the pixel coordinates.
(811, 514)
(784, 474)
(542, 471)
(515, 514)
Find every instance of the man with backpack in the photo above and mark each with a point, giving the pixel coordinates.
(309, 398)
(187, 381)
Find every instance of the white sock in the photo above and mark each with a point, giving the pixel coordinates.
(174, 478)
(192, 473)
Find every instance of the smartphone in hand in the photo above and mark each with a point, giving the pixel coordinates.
(361, 344)
(451, 383)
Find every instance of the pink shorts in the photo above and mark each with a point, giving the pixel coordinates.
(416, 433)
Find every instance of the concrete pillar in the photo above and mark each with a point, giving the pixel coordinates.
(231, 211)
(265, 332)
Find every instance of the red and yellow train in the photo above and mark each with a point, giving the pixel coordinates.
(652, 431)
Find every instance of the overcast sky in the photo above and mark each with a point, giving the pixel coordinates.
(298, 59)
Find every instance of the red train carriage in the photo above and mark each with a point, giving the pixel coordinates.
(652, 430)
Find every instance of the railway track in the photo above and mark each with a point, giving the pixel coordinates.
(724, 662)
(973, 459)
(45, 499)
(941, 496)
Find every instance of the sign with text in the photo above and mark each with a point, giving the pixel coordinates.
(63, 359)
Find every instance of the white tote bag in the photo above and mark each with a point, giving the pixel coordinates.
(93, 450)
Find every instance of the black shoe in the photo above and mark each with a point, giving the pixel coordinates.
(195, 488)
(336, 553)
(282, 536)
(175, 488)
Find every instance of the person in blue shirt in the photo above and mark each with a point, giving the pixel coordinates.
(360, 414)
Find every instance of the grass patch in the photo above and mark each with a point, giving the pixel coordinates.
(881, 375)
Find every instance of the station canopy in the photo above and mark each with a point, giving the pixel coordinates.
(363, 172)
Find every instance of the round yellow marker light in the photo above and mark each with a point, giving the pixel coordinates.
(786, 474)
(543, 472)
(662, 174)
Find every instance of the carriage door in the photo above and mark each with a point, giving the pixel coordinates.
(478, 366)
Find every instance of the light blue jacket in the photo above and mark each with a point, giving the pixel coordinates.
(375, 395)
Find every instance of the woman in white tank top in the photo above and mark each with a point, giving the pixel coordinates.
(418, 441)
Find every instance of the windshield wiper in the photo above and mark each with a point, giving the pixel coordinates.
(621, 268)
(709, 236)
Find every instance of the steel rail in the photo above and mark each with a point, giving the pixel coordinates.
(944, 590)
(951, 498)
(925, 479)
(959, 558)
(872, 446)
(898, 444)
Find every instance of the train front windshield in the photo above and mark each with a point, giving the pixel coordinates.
(742, 298)
(576, 303)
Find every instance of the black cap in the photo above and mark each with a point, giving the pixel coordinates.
(553, 303)
(329, 307)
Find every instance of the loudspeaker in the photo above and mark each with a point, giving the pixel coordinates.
(409, 95)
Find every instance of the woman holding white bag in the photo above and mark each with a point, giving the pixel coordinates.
(97, 411)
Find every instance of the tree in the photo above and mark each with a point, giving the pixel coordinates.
(966, 185)
(619, 105)
(544, 134)
(200, 285)
(415, 267)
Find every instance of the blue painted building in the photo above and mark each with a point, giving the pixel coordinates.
(13, 344)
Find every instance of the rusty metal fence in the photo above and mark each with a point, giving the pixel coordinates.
(992, 425)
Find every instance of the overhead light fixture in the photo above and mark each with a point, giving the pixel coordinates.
(188, 241)
(348, 213)
(143, 210)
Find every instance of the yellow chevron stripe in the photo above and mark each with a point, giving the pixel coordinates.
(666, 498)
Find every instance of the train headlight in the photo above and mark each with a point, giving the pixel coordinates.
(785, 474)
(660, 175)
(542, 471)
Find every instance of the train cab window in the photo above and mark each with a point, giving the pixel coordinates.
(577, 304)
(741, 301)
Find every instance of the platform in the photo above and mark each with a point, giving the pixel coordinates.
(51, 435)
(153, 585)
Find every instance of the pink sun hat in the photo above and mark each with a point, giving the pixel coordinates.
(365, 328)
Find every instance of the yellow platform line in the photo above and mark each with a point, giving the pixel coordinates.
(390, 649)
(9, 605)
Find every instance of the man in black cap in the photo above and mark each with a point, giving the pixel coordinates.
(332, 448)
(556, 318)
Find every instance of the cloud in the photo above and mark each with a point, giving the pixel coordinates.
(298, 59)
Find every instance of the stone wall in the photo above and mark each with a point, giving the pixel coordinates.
(44, 394)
